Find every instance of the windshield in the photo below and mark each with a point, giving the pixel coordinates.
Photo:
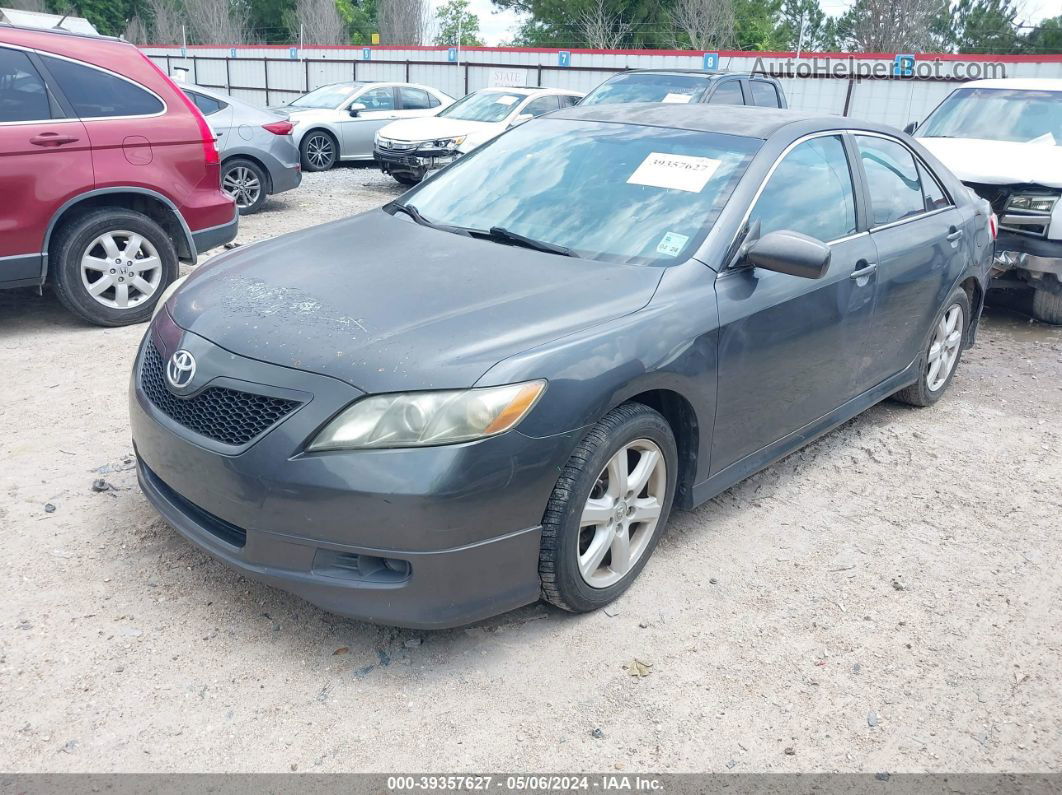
(490, 106)
(998, 114)
(326, 96)
(615, 192)
(648, 88)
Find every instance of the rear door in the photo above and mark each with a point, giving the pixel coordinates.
(358, 132)
(917, 232)
(44, 161)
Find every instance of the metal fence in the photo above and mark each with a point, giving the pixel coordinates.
(870, 86)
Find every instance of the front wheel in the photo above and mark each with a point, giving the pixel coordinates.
(110, 266)
(406, 177)
(319, 151)
(245, 181)
(608, 509)
(942, 353)
(1047, 306)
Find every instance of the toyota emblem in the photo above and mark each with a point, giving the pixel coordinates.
(181, 369)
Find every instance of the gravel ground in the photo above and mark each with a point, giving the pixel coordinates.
(888, 598)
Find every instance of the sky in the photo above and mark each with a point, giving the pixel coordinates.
(496, 26)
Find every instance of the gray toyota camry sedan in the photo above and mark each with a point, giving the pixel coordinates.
(496, 388)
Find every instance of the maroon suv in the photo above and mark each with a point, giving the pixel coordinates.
(108, 174)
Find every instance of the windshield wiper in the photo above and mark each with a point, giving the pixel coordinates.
(414, 213)
(502, 234)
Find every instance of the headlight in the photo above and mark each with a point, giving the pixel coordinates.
(169, 291)
(1036, 204)
(421, 419)
(443, 143)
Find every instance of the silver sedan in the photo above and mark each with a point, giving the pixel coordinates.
(258, 155)
(339, 121)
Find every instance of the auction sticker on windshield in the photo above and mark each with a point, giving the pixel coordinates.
(671, 244)
(506, 99)
(681, 172)
(677, 99)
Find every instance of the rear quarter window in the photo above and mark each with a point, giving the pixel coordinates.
(97, 94)
(764, 94)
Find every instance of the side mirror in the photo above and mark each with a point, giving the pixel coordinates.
(911, 127)
(790, 252)
(355, 109)
(521, 119)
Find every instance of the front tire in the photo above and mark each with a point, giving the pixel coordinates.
(245, 181)
(942, 354)
(319, 151)
(406, 178)
(608, 509)
(110, 266)
(1047, 306)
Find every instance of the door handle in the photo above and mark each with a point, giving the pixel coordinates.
(867, 269)
(954, 233)
(52, 139)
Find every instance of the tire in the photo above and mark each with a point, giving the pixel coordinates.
(246, 182)
(1047, 306)
(589, 473)
(406, 178)
(929, 387)
(319, 150)
(88, 239)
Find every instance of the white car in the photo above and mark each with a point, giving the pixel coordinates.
(408, 149)
(1003, 139)
(338, 121)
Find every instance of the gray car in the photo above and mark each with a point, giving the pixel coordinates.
(495, 388)
(258, 155)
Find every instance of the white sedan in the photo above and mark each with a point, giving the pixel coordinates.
(409, 149)
(338, 121)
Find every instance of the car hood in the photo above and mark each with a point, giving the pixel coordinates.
(387, 305)
(297, 116)
(429, 128)
(999, 162)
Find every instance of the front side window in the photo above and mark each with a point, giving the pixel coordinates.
(892, 177)
(96, 94)
(728, 93)
(537, 107)
(810, 192)
(326, 97)
(764, 94)
(382, 98)
(567, 100)
(998, 114)
(413, 98)
(622, 193)
(642, 87)
(23, 95)
(488, 106)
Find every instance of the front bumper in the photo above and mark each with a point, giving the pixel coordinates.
(418, 161)
(462, 521)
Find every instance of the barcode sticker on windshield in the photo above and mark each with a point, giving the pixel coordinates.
(671, 244)
(677, 99)
(506, 99)
(681, 172)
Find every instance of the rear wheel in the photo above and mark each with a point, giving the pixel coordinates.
(608, 509)
(1047, 306)
(942, 353)
(245, 181)
(319, 151)
(110, 265)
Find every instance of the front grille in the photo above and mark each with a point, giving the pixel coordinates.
(226, 531)
(225, 415)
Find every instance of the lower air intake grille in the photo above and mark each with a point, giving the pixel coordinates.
(225, 415)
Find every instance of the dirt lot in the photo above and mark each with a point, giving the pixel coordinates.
(889, 598)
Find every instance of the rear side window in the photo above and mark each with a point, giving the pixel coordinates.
(892, 176)
(382, 98)
(537, 107)
(728, 93)
(207, 105)
(433, 101)
(934, 194)
(96, 94)
(23, 95)
(765, 94)
(414, 98)
(810, 192)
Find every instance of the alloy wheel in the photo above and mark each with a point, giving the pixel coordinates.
(319, 151)
(945, 347)
(243, 185)
(622, 513)
(121, 269)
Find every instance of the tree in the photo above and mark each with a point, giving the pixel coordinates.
(27, 5)
(319, 23)
(137, 31)
(1046, 38)
(600, 26)
(708, 24)
(269, 21)
(804, 25)
(215, 22)
(402, 21)
(756, 25)
(166, 21)
(452, 17)
(556, 23)
(984, 26)
(892, 26)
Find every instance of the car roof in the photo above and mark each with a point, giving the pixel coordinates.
(1020, 83)
(750, 122)
(60, 32)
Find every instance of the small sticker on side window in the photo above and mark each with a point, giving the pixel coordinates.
(671, 244)
(681, 172)
(677, 99)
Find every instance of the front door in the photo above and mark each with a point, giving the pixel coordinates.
(44, 161)
(358, 131)
(791, 349)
